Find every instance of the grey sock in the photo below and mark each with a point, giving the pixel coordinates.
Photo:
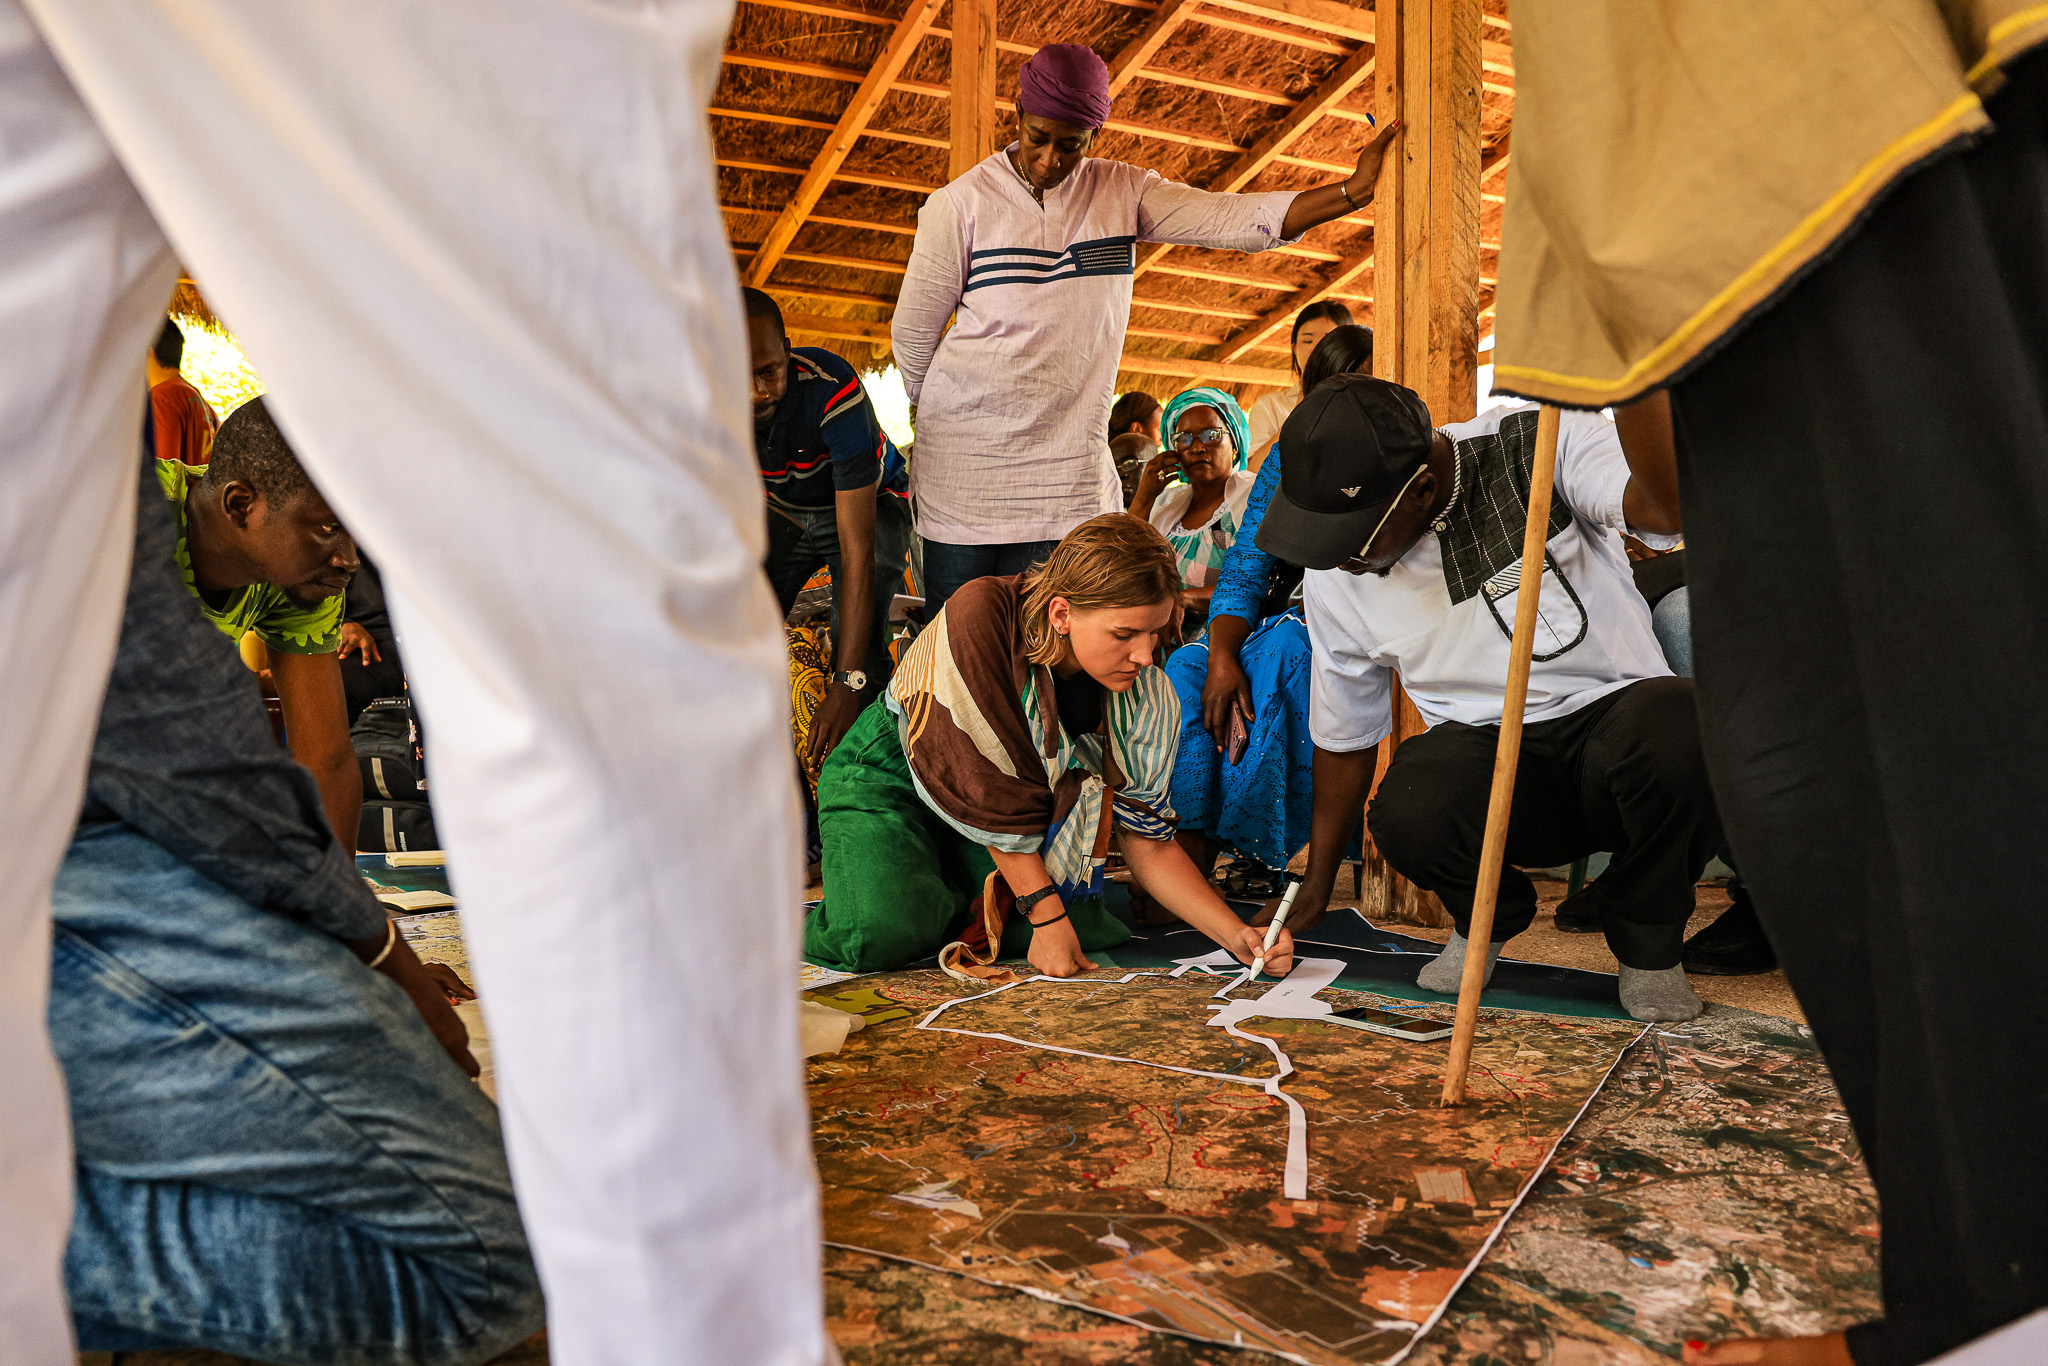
(1663, 994)
(1445, 971)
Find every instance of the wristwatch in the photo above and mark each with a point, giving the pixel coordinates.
(855, 679)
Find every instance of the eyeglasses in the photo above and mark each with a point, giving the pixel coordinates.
(1208, 436)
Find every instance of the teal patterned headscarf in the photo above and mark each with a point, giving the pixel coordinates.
(1233, 418)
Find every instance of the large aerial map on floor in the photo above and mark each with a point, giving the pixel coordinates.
(1712, 1190)
(1134, 1145)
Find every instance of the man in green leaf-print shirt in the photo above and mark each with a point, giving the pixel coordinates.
(261, 551)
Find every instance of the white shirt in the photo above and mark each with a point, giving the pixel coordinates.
(1453, 660)
(1267, 416)
(1013, 402)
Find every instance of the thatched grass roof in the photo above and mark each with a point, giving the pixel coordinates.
(1227, 76)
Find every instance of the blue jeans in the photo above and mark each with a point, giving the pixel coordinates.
(947, 567)
(275, 1158)
(1671, 619)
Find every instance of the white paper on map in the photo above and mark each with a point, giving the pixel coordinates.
(824, 1029)
(416, 901)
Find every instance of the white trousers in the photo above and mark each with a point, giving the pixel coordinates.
(474, 251)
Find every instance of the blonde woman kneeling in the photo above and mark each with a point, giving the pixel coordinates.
(1025, 724)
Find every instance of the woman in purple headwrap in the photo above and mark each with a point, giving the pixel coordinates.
(1030, 257)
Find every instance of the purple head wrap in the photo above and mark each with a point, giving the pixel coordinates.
(1067, 82)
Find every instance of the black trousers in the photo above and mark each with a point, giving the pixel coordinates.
(1865, 478)
(800, 543)
(1624, 774)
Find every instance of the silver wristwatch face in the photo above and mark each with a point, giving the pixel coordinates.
(855, 679)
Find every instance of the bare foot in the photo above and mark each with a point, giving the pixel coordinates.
(1831, 1349)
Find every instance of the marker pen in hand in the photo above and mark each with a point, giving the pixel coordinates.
(1279, 919)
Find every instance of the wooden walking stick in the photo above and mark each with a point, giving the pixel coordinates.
(1493, 850)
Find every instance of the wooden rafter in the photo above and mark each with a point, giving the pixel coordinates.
(1200, 310)
(867, 98)
(1349, 269)
(1354, 71)
(1164, 23)
(884, 182)
(792, 67)
(1226, 277)
(826, 258)
(1492, 164)
(1343, 30)
(792, 121)
(838, 296)
(1184, 367)
(846, 329)
(1208, 18)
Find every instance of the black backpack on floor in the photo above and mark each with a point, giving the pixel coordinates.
(387, 744)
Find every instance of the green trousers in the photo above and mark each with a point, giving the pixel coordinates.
(900, 882)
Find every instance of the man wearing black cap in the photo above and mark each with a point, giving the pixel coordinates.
(1414, 540)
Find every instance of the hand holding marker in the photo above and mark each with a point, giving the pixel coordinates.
(1279, 920)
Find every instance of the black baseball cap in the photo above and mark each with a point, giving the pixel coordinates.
(1346, 452)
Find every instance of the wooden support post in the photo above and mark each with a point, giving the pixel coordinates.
(974, 85)
(1425, 283)
(1507, 756)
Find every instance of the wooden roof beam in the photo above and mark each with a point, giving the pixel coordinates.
(839, 296)
(1207, 18)
(1224, 277)
(791, 121)
(1349, 269)
(1495, 161)
(850, 177)
(826, 259)
(1164, 23)
(843, 329)
(1352, 73)
(1183, 367)
(1169, 334)
(867, 98)
(850, 74)
(1200, 310)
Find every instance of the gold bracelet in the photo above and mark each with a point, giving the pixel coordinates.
(1344, 188)
(390, 943)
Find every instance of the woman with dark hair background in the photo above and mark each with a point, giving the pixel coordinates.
(1133, 438)
(1255, 658)
(1311, 325)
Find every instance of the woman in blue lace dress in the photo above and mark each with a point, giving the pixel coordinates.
(1254, 656)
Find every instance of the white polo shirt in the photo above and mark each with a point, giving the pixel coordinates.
(1453, 658)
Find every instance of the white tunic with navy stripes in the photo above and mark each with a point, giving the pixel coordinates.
(1013, 402)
